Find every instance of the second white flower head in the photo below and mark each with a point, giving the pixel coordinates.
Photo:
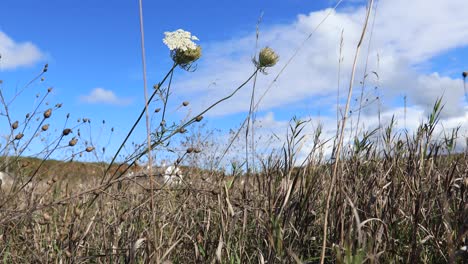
(180, 40)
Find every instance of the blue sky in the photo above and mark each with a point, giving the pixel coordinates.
(419, 50)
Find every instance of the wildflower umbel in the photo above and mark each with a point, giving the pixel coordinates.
(180, 40)
(266, 58)
(183, 50)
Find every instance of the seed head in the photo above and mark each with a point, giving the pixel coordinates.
(49, 89)
(89, 149)
(157, 110)
(46, 67)
(72, 142)
(266, 58)
(45, 127)
(48, 113)
(14, 125)
(185, 103)
(19, 136)
(198, 118)
(66, 131)
(182, 130)
(190, 150)
(185, 57)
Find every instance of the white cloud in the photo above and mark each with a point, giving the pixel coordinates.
(406, 36)
(14, 54)
(103, 96)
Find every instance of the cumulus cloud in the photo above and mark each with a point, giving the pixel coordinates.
(103, 96)
(404, 39)
(14, 54)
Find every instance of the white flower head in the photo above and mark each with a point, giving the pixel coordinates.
(180, 40)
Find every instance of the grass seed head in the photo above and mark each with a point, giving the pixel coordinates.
(19, 136)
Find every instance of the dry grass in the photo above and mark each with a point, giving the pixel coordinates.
(392, 204)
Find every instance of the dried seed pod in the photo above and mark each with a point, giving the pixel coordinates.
(48, 113)
(58, 105)
(72, 142)
(182, 130)
(66, 131)
(89, 149)
(267, 58)
(15, 125)
(185, 103)
(464, 74)
(157, 110)
(46, 67)
(19, 136)
(199, 118)
(49, 89)
(28, 115)
(45, 127)
(190, 150)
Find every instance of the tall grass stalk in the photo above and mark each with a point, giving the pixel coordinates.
(340, 140)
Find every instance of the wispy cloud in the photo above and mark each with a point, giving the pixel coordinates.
(14, 54)
(103, 96)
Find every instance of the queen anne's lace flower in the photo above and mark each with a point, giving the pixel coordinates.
(180, 40)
